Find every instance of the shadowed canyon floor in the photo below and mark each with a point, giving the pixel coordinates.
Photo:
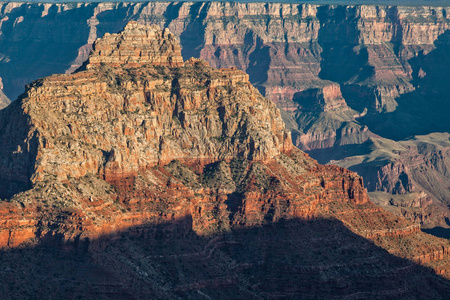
(143, 174)
(293, 259)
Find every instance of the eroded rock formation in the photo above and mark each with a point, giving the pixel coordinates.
(128, 156)
(4, 101)
(415, 169)
(286, 48)
(388, 62)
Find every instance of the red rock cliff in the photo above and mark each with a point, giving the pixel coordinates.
(132, 141)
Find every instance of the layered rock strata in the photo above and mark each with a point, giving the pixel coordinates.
(139, 46)
(276, 43)
(119, 159)
(287, 49)
(413, 172)
(388, 61)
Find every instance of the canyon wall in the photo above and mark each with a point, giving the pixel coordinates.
(285, 48)
(363, 57)
(171, 178)
(413, 173)
(343, 74)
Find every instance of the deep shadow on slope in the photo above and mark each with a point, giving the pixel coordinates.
(192, 38)
(439, 231)
(17, 152)
(424, 110)
(323, 156)
(54, 39)
(113, 21)
(292, 259)
(341, 60)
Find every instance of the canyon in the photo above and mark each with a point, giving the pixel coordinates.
(142, 173)
(343, 75)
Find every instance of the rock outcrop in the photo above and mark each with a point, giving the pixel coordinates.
(324, 120)
(140, 45)
(286, 48)
(405, 169)
(4, 101)
(389, 61)
(376, 54)
(326, 99)
(133, 165)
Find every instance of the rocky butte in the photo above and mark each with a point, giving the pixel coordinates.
(345, 76)
(145, 175)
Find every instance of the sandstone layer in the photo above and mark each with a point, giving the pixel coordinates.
(285, 48)
(388, 62)
(178, 180)
(414, 170)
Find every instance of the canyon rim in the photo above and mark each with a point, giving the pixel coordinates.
(126, 177)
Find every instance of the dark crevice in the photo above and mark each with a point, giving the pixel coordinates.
(259, 62)
(193, 37)
(421, 111)
(172, 12)
(53, 39)
(18, 151)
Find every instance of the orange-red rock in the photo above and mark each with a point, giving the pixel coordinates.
(161, 150)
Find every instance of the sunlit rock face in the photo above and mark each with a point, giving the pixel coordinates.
(4, 101)
(138, 150)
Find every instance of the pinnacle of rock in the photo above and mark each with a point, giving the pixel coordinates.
(193, 112)
(137, 45)
(140, 142)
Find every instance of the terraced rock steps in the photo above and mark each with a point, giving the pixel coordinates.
(176, 179)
